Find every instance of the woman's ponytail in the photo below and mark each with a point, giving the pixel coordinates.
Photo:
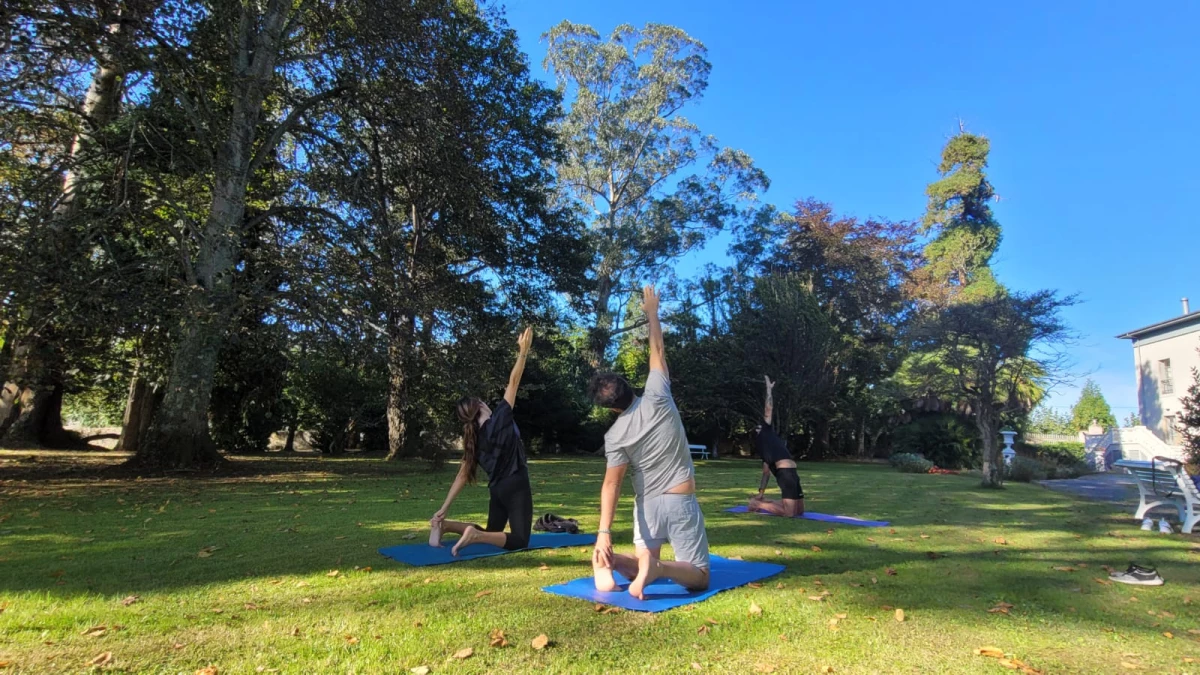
(468, 411)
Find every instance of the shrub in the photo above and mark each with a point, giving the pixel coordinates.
(945, 439)
(910, 463)
(1062, 453)
(1025, 470)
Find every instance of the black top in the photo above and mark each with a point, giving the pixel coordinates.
(770, 446)
(500, 451)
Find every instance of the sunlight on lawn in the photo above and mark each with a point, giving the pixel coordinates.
(281, 573)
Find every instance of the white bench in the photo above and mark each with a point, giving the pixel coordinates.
(701, 450)
(1164, 482)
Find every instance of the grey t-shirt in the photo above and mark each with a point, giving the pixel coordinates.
(649, 437)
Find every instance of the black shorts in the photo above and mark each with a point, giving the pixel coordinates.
(512, 505)
(789, 483)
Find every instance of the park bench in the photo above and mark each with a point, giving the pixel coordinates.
(1164, 482)
(701, 450)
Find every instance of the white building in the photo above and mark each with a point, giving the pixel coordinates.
(1164, 355)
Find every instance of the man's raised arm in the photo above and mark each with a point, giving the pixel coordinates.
(658, 361)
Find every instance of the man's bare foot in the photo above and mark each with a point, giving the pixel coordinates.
(435, 533)
(469, 536)
(604, 579)
(648, 571)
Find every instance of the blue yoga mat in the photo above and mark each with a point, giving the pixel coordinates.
(662, 595)
(422, 555)
(823, 517)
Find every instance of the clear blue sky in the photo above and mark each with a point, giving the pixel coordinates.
(1093, 110)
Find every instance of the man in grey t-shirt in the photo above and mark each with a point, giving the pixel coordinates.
(648, 437)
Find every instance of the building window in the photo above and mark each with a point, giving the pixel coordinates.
(1169, 429)
(1166, 383)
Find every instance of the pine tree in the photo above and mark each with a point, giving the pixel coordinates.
(1091, 406)
(965, 233)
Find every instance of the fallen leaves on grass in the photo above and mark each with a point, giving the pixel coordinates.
(207, 551)
(704, 629)
(101, 659)
(544, 567)
(497, 639)
(207, 670)
(755, 610)
(764, 668)
(95, 631)
(890, 572)
(899, 615)
(1063, 568)
(419, 670)
(1169, 635)
(481, 594)
(1001, 608)
(1007, 662)
(465, 653)
(754, 584)
(333, 573)
(1001, 540)
(351, 640)
(540, 642)
(816, 549)
(127, 601)
(1103, 582)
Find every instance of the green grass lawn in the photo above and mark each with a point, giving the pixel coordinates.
(289, 579)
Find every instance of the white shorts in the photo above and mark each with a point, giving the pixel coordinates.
(675, 519)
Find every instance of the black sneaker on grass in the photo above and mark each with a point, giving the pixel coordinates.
(1138, 576)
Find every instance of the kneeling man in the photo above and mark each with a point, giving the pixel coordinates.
(648, 439)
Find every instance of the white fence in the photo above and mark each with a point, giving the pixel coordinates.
(1050, 438)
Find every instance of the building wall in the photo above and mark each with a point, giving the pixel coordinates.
(1158, 400)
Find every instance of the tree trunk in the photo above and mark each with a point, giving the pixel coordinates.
(290, 444)
(179, 438)
(397, 402)
(601, 333)
(993, 463)
(135, 406)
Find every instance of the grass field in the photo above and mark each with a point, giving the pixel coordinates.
(279, 573)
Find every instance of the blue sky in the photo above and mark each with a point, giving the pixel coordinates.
(1093, 110)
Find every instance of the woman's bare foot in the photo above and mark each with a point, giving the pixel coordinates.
(435, 533)
(648, 571)
(469, 536)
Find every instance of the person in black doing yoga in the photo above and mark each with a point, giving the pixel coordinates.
(777, 461)
(491, 440)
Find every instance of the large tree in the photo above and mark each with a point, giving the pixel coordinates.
(982, 355)
(857, 271)
(1091, 407)
(435, 196)
(62, 82)
(650, 183)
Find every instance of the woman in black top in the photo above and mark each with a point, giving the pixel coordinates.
(777, 460)
(491, 440)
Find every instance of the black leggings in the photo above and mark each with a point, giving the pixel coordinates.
(512, 504)
(789, 483)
